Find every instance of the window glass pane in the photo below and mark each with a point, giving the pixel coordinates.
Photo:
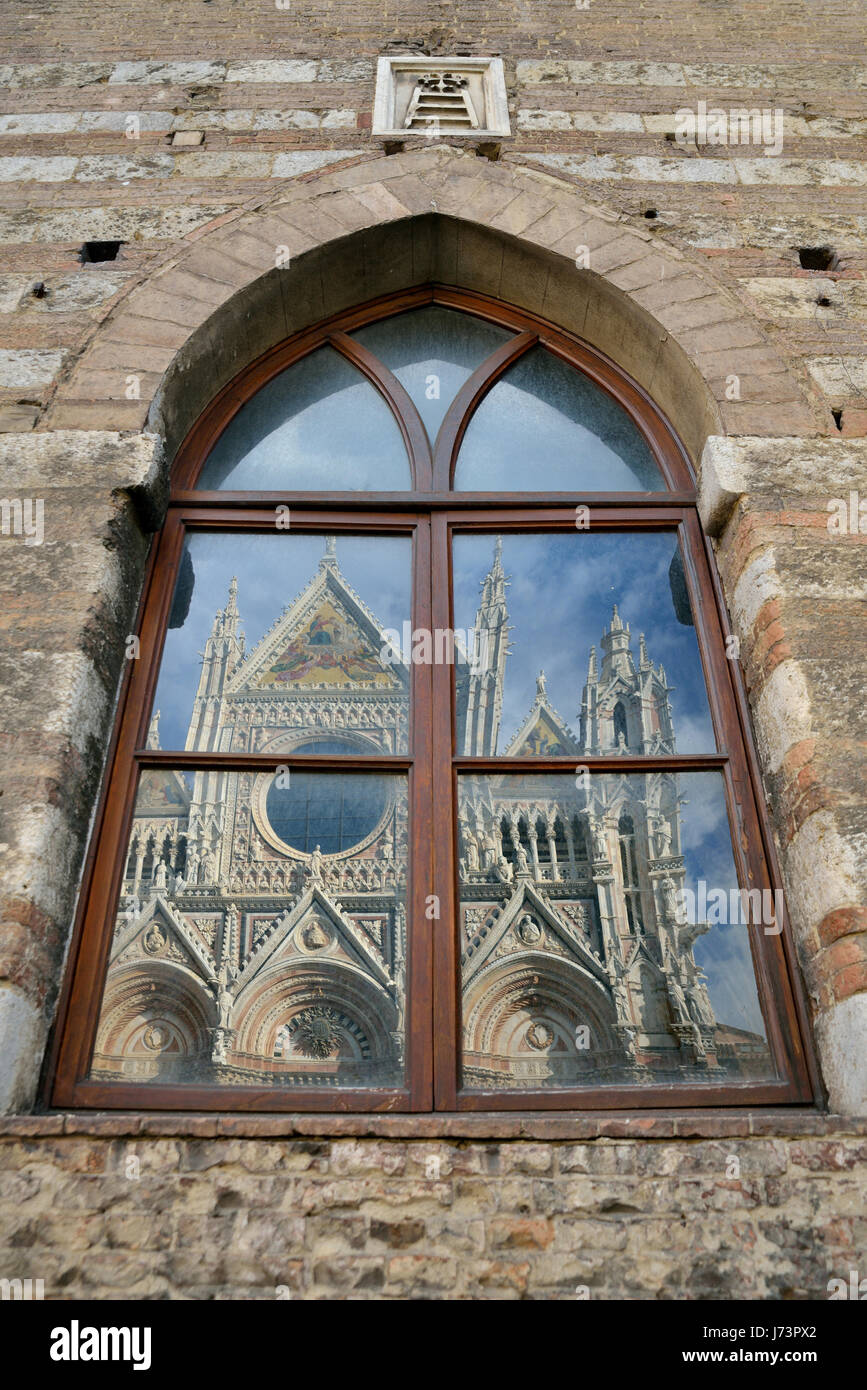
(324, 810)
(322, 615)
(545, 427)
(239, 957)
(432, 352)
(603, 936)
(317, 427)
(578, 643)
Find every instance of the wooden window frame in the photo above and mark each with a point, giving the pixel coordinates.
(431, 513)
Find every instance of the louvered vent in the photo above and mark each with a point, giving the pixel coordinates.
(441, 100)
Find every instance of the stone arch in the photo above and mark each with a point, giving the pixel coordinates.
(384, 224)
(183, 1013)
(275, 998)
(508, 997)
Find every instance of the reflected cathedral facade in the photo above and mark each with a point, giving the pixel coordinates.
(261, 934)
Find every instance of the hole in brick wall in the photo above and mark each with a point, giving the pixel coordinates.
(95, 251)
(650, 213)
(823, 301)
(817, 257)
(393, 146)
(838, 418)
(488, 150)
(39, 290)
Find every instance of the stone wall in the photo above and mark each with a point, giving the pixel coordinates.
(265, 1209)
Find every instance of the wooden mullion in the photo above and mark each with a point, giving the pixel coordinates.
(302, 502)
(261, 762)
(467, 401)
(399, 402)
(420, 869)
(607, 763)
(447, 1000)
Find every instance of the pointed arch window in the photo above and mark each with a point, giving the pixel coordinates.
(432, 788)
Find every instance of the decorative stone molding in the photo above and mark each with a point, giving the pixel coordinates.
(440, 96)
(502, 229)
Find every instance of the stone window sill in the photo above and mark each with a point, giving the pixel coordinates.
(662, 1124)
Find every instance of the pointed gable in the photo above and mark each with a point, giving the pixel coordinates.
(161, 933)
(325, 639)
(329, 650)
(542, 736)
(544, 733)
(161, 794)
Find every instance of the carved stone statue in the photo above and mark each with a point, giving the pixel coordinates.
(223, 995)
(489, 851)
(191, 873)
(621, 999)
(663, 839)
(600, 848)
(671, 906)
(628, 1036)
(678, 1000)
(521, 861)
(316, 859)
(503, 869)
(161, 877)
(473, 863)
(529, 930)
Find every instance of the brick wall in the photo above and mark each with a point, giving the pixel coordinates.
(198, 135)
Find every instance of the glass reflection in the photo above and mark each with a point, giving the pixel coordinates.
(432, 352)
(603, 936)
(317, 427)
(323, 613)
(545, 427)
(241, 959)
(582, 643)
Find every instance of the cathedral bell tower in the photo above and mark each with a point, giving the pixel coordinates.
(480, 683)
(224, 649)
(625, 708)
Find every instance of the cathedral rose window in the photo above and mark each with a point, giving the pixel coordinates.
(433, 787)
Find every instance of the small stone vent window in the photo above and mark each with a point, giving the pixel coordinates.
(443, 96)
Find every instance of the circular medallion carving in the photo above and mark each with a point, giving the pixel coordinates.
(529, 930)
(156, 1036)
(539, 1036)
(315, 935)
(155, 941)
(315, 1031)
